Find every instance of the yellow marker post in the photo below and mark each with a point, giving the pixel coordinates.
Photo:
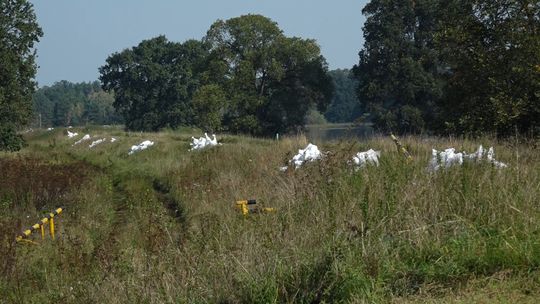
(51, 226)
(401, 148)
(43, 222)
(250, 206)
(243, 206)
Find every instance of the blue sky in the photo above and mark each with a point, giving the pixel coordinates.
(80, 34)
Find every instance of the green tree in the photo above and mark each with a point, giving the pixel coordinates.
(398, 71)
(19, 32)
(345, 106)
(154, 82)
(99, 109)
(492, 49)
(209, 102)
(314, 117)
(270, 80)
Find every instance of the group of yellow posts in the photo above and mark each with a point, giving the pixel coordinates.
(245, 206)
(49, 219)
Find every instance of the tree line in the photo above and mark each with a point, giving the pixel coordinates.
(77, 104)
(74, 104)
(427, 66)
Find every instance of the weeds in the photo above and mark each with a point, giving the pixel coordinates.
(36, 183)
(159, 226)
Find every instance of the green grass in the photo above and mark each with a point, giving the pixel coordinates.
(160, 226)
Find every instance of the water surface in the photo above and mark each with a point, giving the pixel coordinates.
(337, 132)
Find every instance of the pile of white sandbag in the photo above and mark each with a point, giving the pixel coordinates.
(448, 158)
(72, 134)
(309, 154)
(369, 157)
(312, 153)
(142, 146)
(203, 142)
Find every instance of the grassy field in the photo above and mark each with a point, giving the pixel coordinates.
(160, 226)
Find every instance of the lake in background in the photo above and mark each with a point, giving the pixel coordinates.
(337, 132)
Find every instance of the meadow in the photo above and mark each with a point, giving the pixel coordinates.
(160, 226)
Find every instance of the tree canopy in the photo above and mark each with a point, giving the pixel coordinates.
(492, 51)
(270, 80)
(244, 76)
(397, 72)
(154, 82)
(19, 32)
(460, 66)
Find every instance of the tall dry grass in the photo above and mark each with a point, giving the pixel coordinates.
(160, 226)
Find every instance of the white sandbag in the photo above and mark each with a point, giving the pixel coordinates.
(361, 159)
(96, 142)
(491, 158)
(85, 138)
(142, 146)
(203, 142)
(309, 154)
(476, 156)
(445, 159)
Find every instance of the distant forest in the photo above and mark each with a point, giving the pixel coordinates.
(78, 104)
(345, 106)
(74, 104)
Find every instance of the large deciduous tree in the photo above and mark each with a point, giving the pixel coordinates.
(154, 82)
(492, 48)
(454, 67)
(270, 81)
(19, 32)
(398, 71)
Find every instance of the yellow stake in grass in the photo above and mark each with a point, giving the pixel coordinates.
(51, 227)
(243, 206)
(43, 222)
(50, 219)
(401, 148)
(250, 206)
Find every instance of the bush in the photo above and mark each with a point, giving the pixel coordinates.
(9, 139)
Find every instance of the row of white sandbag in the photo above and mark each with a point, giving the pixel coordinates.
(196, 144)
(439, 159)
